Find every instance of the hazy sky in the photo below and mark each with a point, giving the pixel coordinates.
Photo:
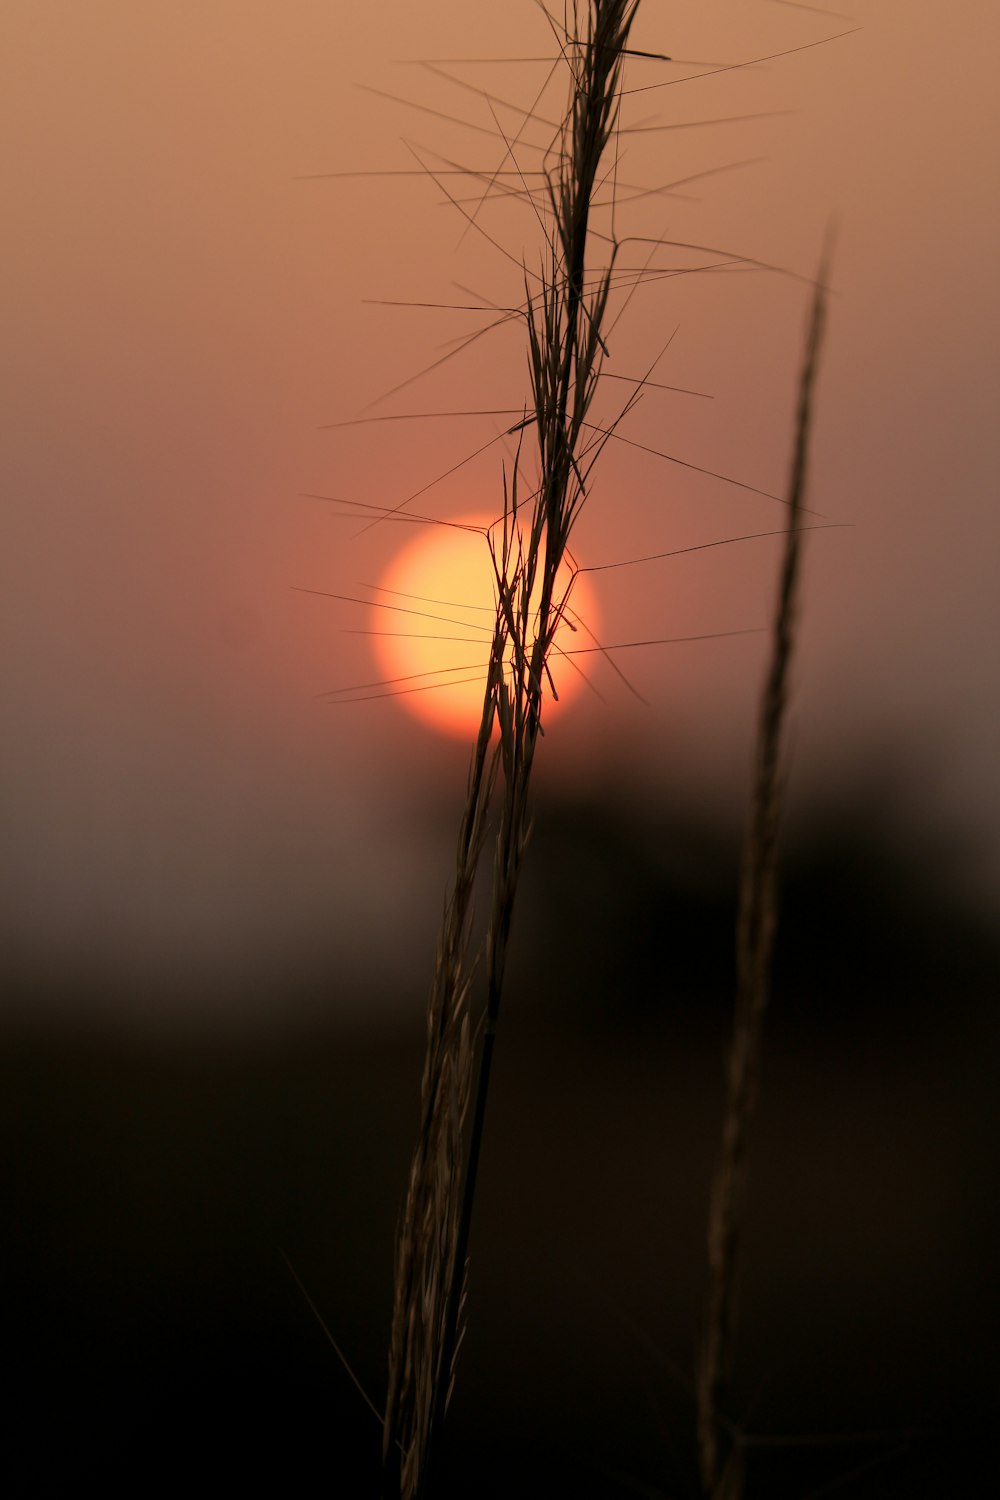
(185, 307)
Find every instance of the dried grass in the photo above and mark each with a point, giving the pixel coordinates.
(564, 314)
(566, 352)
(722, 1476)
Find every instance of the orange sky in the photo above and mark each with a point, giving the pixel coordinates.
(183, 313)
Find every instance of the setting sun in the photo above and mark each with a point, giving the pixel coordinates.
(434, 624)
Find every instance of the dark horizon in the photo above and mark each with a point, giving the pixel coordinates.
(158, 1181)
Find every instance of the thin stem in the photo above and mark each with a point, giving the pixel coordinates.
(722, 1479)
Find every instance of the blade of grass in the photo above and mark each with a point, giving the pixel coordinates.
(722, 1473)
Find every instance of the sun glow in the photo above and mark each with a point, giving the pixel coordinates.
(434, 619)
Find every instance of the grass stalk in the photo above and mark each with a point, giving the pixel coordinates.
(426, 1249)
(722, 1471)
(566, 352)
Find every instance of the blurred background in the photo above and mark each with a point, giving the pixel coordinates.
(220, 891)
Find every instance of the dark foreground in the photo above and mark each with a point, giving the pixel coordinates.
(158, 1344)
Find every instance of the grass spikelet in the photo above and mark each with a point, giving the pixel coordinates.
(566, 350)
(426, 1255)
(722, 1474)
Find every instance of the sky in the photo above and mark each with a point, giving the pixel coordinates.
(195, 291)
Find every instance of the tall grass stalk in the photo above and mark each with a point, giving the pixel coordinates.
(564, 317)
(722, 1473)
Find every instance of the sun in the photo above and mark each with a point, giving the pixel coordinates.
(433, 626)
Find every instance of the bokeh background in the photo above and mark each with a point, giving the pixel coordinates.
(220, 891)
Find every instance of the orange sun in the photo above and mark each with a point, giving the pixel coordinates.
(433, 642)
